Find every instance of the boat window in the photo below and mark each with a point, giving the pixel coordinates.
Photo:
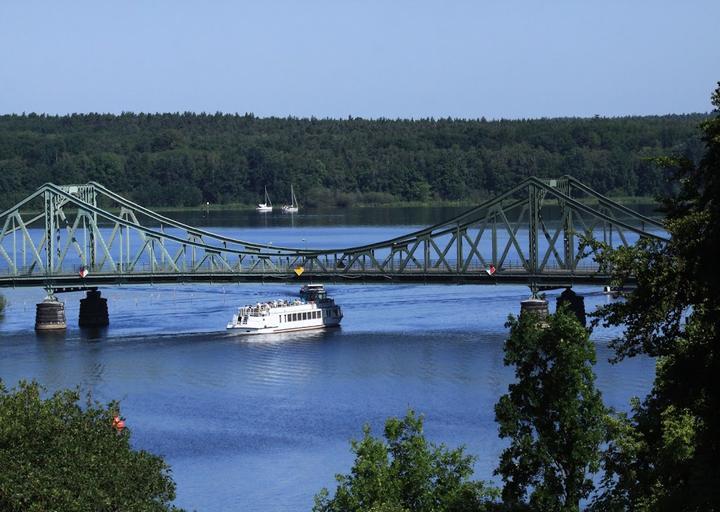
(294, 316)
(304, 316)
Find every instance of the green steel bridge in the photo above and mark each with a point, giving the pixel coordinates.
(83, 236)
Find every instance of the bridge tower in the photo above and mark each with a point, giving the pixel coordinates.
(50, 313)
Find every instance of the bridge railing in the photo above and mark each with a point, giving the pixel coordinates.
(536, 228)
(288, 270)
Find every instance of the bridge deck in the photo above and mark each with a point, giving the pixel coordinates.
(547, 278)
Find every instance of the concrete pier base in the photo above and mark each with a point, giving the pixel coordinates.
(93, 310)
(50, 315)
(573, 302)
(533, 305)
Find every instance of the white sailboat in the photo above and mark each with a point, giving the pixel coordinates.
(293, 207)
(266, 206)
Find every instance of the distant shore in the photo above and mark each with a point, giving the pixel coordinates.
(624, 200)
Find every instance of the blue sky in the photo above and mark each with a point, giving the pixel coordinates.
(335, 58)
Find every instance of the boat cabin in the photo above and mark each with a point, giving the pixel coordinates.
(313, 293)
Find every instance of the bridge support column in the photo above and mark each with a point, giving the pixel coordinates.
(50, 315)
(93, 310)
(535, 306)
(573, 302)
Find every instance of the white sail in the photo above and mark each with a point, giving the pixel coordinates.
(267, 205)
(293, 207)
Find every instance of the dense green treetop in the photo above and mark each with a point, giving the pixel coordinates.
(57, 454)
(552, 414)
(186, 159)
(665, 454)
(406, 473)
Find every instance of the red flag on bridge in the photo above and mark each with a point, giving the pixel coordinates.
(490, 270)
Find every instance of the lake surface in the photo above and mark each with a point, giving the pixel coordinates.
(264, 423)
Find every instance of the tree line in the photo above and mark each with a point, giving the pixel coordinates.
(187, 159)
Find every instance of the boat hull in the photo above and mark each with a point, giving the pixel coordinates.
(249, 331)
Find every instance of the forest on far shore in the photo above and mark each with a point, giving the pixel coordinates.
(188, 159)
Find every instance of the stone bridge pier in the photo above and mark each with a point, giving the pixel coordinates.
(50, 313)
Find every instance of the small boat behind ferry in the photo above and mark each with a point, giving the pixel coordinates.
(314, 310)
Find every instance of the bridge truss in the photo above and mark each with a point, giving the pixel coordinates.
(530, 234)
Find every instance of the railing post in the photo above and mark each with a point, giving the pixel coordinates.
(494, 239)
(93, 196)
(426, 253)
(533, 229)
(459, 248)
(49, 233)
(568, 237)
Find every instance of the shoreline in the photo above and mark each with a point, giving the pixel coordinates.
(624, 200)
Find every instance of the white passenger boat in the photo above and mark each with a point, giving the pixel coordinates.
(267, 205)
(314, 310)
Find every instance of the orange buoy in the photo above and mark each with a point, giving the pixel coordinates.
(118, 423)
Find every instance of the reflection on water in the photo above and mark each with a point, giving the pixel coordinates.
(263, 422)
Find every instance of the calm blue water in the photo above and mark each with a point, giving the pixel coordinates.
(263, 423)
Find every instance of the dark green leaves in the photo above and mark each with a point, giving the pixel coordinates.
(59, 455)
(406, 473)
(666, 454)
(552, 414)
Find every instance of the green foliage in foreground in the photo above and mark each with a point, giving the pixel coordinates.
(552, 414)
(405, 473)
(665, 455)
(56, 455)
